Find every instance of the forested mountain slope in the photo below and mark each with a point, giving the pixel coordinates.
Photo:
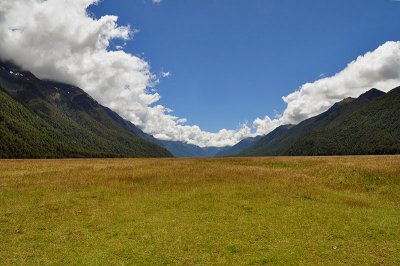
(369, 124)
(41, 119)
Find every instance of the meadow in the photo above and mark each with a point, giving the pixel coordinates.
(233, 211)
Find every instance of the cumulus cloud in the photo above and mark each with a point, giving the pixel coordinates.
(59, 40)
(377, 69)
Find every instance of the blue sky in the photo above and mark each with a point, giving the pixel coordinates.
(232, 60)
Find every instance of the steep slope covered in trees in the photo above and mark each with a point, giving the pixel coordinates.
(41, 119)
(369, 124)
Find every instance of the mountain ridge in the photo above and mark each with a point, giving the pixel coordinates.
(368, 124)
(84, 127)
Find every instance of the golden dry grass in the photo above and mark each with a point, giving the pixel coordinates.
(239, 211)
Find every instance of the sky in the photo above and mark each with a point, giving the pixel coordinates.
(196, 71)
(235, 59)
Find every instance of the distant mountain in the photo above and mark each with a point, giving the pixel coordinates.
(178, 148)
(236, 149)
(212, 151)
(43, 119)
(369, 124)
(184, 150)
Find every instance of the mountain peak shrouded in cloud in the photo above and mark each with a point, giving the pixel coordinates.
(59, 40)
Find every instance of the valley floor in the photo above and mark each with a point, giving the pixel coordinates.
(239, 211)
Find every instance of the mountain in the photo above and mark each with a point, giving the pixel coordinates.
(178, 148)
(213, 151)
(258, 146)
(236, 149)
(369, 124)
(184, 150)
(46, 119)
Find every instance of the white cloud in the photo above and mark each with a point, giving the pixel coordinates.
(266, 125)
(57, 39)
(156, 1)
(165, 74)
(377, 69)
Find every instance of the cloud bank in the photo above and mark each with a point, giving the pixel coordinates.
(59, 40)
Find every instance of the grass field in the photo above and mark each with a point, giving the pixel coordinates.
(251, 211)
